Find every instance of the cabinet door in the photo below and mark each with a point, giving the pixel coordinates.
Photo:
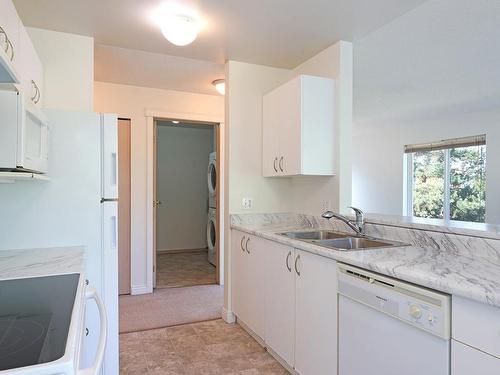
(31, 70)
(11, 24)
(271, 133)
(280, 300)
(466, 361)
(290, 107)
(238, 277)
(255, 283)
(315, 314)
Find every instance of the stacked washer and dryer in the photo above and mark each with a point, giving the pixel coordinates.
(212, 207)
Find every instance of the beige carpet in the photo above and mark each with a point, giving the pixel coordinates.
(169, 307)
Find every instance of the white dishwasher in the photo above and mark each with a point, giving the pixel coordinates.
(390, 327)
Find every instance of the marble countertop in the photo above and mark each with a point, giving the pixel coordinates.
(476, 278)
(15, 264)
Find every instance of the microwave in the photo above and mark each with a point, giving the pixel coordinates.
(24, 135)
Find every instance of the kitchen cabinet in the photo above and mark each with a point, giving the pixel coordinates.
(298, 128)
(31, 71)
(466, 361)
(248, 280)
(315, 314)
(10, 25)
(280, 300)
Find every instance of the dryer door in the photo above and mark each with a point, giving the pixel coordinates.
(212, 177)
(211, 239)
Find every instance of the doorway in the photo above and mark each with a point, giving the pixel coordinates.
(124, 274)
(186, 196)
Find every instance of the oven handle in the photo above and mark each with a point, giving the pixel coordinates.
(91, 293)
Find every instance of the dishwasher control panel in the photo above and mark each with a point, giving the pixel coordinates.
(421, 307)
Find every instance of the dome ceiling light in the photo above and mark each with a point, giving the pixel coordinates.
(179, 25)
(220, 86)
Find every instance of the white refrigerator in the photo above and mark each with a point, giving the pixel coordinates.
(77, 206)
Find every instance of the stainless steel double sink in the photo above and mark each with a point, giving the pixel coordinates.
(340, 240)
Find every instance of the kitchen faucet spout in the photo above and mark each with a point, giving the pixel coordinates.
(356, 225)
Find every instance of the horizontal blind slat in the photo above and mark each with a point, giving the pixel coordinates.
(477, 140)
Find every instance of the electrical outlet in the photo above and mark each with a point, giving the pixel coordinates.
(326, 206)
(247, 203)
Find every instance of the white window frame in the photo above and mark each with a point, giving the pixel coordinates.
(410, 180)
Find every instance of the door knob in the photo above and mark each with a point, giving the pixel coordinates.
(156, 203)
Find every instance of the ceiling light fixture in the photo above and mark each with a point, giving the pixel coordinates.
(175, 122)
(220, 86)
(179, 25)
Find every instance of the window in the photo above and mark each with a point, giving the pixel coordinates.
(447, 179)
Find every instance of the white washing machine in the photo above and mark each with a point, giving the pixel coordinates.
(212, 180)
(212, 234)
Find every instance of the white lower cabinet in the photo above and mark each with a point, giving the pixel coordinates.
(466, 360)
(290, 293)
(248, 280)
(280, 300)
(315, 315)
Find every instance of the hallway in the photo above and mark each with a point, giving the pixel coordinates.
(184, 269)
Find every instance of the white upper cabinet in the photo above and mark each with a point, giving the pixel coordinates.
(31, 70)
(9, 43)
(298, 128)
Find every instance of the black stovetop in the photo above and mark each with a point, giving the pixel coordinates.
(35, 314)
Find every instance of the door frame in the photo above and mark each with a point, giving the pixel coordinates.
(218, 121)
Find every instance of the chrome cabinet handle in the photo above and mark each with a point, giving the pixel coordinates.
(246, 245)
(11, 50)
(274, 164)
(296, 268)
(281, 164)
(241, 243)
(38, 95)
(287, 259)
(8, 44)
(36, 91)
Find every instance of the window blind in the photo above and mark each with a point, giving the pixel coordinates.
(476, 140)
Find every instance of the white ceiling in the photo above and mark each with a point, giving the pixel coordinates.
(442, 58)
(147, 69)
(281, 33)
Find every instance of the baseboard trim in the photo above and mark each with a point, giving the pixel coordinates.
(142, 289)
(262, 343)
(176, 251)
(228, 316)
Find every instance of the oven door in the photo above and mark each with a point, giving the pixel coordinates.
(33, 139)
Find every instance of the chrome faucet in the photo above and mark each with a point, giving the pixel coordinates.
(358, 225)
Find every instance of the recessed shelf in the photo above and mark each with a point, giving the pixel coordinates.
(11, 177)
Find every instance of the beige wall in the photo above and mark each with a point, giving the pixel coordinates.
(131, 102)
(68, 62)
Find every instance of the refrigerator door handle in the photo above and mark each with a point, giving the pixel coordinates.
(114, 238)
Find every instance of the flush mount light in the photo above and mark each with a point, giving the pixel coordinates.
(179, 25)
(220, 86)
(175, 122)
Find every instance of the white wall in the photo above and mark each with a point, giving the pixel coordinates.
(309, 193)
(68, 62)
(181, 181)
(431, 74)
(131, 102)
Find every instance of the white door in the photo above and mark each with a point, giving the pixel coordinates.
(109, 156)
(290, 105)
(271, 134)
(238, 271)
(280, 300)
(110, 283)
(255, 283)
(466, 360)
(315, 315)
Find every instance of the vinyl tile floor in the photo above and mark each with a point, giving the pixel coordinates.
(184, 269)
(211, 347)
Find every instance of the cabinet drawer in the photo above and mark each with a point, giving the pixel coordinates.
(477, 325)
(466, 361)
